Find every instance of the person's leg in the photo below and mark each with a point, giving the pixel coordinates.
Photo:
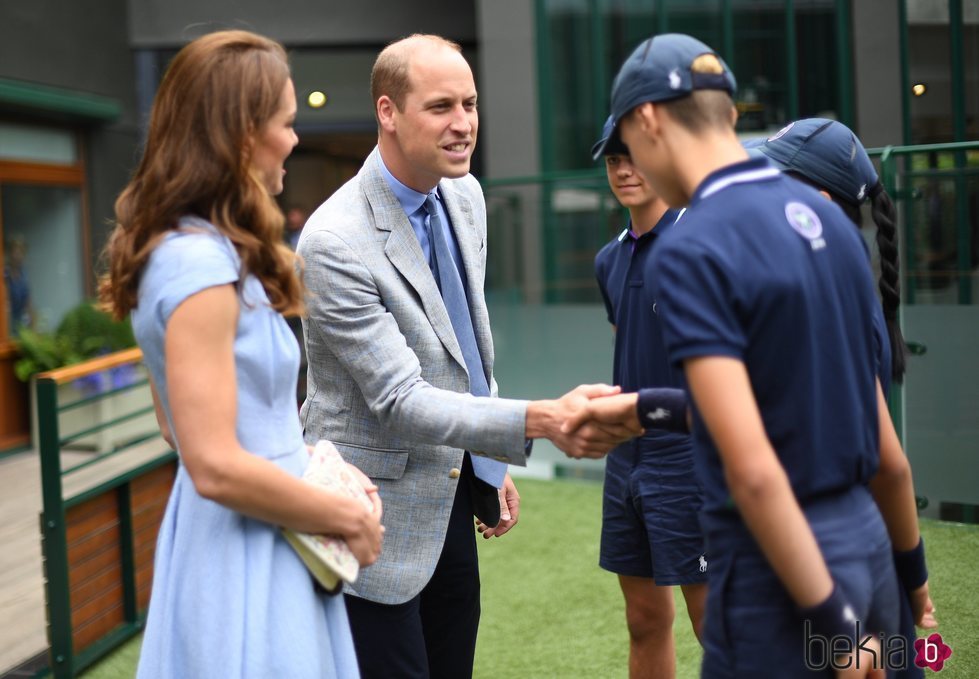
(670, 501)
(450, 601)
(388, 639)
(625, 551)
(649, 613)
(695, 596)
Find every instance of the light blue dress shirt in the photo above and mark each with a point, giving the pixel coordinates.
(413, 203)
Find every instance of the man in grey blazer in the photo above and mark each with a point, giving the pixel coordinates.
(400, 384)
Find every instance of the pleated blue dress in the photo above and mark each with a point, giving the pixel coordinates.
(230, 598)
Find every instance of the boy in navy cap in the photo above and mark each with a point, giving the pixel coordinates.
(766, 300)
(650, 532)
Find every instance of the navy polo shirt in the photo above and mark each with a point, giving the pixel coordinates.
(621, 268)
(767, 271)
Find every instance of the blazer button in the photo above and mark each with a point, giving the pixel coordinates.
(454, 473)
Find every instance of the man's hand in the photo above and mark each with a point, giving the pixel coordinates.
(613, 413)
(546, 418)
(509, 511)
(592, 437)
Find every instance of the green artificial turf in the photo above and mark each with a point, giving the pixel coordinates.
(550, 611)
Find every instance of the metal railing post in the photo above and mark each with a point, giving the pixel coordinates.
(888, 174)
(54, 531)
(791, 62)
(963, 237)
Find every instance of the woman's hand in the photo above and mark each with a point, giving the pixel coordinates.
(366, 542)
(366, 533)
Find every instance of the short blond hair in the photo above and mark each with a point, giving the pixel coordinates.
(702, 109)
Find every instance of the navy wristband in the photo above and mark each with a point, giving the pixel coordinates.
(833, 617)
(663, 408)
(910, 566)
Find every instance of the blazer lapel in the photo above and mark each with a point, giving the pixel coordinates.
(405, 253)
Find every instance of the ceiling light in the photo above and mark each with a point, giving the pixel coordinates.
(316, 99)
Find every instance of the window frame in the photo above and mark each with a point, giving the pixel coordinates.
(27, 173)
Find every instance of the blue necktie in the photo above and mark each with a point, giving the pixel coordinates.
(454, 296)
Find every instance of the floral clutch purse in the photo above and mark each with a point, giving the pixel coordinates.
(327, 556)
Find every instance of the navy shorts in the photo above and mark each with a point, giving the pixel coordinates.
(752, 627)
(650, 524)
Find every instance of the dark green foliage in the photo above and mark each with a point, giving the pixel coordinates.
(84, 332)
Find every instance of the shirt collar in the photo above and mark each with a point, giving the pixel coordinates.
(411, 200)
(665, 222)
(752, 170)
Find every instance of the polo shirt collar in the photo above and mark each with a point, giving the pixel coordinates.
(748, 171)
(665, 222)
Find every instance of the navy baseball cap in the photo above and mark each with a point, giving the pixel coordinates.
(610, 144)
(751, 146)
(827, 153)
(660, 69)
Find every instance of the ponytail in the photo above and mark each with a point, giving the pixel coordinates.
(885, 217)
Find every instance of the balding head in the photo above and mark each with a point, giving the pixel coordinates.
(391, 73)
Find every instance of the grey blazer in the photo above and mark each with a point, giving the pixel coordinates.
(387, 382)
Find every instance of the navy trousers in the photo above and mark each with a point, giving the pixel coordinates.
(433, 635)
(752, 628)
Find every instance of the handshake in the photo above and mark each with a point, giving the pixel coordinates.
(588, 421)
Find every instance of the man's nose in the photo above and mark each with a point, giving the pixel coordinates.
(461, 121)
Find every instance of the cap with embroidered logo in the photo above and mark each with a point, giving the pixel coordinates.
(660, 70)
(827, 153)
(610, 144)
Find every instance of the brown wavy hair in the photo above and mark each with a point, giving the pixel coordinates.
(217, 94)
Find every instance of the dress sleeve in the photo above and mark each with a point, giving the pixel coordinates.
(185, 264)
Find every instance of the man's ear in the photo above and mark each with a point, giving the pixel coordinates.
(385, 113)
(734, 116)
(647, 117)
(651, 118)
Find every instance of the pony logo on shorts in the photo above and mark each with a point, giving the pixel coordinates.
(703, 564)
(806, 223)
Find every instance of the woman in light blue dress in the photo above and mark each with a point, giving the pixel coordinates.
(197, 258)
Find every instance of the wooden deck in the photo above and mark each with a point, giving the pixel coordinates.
(22, 616)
